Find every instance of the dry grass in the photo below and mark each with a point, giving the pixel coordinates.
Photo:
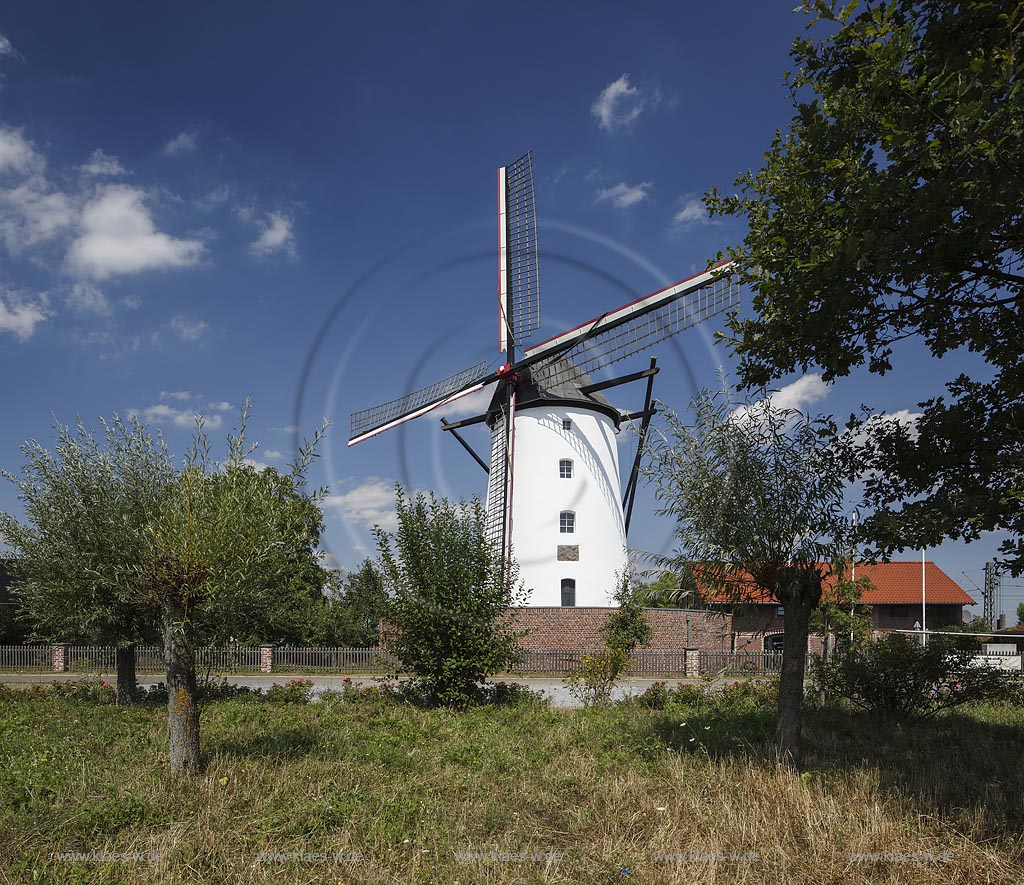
(506, 795)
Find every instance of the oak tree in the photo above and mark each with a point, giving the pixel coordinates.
(890, 208)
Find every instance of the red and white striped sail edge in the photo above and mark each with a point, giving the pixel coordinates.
(633, 308)
(504, 322)
(420, 411)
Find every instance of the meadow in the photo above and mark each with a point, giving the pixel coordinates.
(364, 789)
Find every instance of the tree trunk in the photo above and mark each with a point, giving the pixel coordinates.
(125, 658)
(182, 693)
(799, 599)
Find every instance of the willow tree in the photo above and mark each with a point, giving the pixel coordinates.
(226, 544)
(758, 503)
(86, 508)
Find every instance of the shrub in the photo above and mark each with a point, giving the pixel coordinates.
(90, 690)
(450, 594)
(655, 697)
(592, 683)
(900, 679)
(512, 694)
(294, 691)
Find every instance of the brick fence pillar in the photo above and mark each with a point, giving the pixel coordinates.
(59, 657)
(266, 658)
(692, 663)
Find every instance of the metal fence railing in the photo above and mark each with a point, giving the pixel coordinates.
(741, 663)
(330, 660)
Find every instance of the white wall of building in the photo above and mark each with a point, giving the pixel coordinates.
(540, 495)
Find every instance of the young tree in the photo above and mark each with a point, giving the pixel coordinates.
(87, 506)
(840, 614)
(1020, 613)
(670, 591)
(226, 540)
(450, 591)
(758, 505)
(624, 629)
(891, 208)
(351, 613)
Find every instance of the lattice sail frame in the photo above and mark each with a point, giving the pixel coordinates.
(518, 254)
(368, 422)
(621, 333)
(498, 528)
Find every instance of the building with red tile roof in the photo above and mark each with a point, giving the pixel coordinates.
(893, 599)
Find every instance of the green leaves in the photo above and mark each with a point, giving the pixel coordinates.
(449, 592)
(891, 208)
(752, 488)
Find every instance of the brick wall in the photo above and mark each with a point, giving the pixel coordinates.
(577, 629)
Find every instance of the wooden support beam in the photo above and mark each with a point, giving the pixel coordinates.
(465, 422)
(465, 445)
(624, 379)
(635, 473)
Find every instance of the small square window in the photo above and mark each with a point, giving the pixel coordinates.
(567, 522)
(567, 424)
(565, 468)
(781, 611)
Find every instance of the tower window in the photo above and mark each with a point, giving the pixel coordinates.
(568, 592)
(565, 468)
(567, 424)
(566, 522)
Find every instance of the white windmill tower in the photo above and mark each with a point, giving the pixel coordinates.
(554, 497)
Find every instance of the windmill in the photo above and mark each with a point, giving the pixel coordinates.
(554, 496)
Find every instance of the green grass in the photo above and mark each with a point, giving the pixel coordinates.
(506, 794)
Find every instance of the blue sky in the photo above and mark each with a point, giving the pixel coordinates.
(200, 202)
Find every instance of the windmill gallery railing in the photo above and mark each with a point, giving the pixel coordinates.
(241, 660)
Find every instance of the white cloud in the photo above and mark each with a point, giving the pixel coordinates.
(274, 455)
(182, 143)
(288, 428)
(118, 236)
(276, 235)
(254, 462)
(618, 105)
(471, 404)
(33, 213)
(691, 213)
(215, 198)
(220, 407)
(188, 329)
(182, 396)
(165, 414)
(20, 316)
(371, 503)
(801, 393)
(873, 424)
(17, 154)
(101, 163)
(85, 298)
(797, 396)
(6, 48)
(623, 195)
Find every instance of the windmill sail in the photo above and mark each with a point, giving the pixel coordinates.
(518, 265)
(634, 327)
(369, 422)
